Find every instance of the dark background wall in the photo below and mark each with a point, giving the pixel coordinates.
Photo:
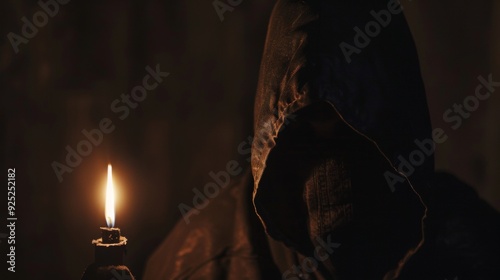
(65, 78)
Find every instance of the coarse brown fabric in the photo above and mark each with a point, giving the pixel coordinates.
(231, 246)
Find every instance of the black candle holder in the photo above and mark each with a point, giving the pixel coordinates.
(109, 253)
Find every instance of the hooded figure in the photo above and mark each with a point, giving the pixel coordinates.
(342, 182)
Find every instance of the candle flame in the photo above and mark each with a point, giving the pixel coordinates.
(110, 200)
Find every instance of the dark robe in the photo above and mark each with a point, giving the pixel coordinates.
(342, 182)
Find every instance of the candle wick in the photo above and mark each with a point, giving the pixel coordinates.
(109, 222)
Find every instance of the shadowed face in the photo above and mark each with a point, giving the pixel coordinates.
(325, 179)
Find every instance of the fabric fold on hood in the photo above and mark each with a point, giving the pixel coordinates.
(371, 106)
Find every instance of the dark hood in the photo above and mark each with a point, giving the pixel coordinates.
(378, 94)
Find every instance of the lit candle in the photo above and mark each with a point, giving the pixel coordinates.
(110, 234)
(110, 248)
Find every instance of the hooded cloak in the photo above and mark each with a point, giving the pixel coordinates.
(377, 92)
(339, 187)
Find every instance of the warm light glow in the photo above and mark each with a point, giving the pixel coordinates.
(110, 200)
